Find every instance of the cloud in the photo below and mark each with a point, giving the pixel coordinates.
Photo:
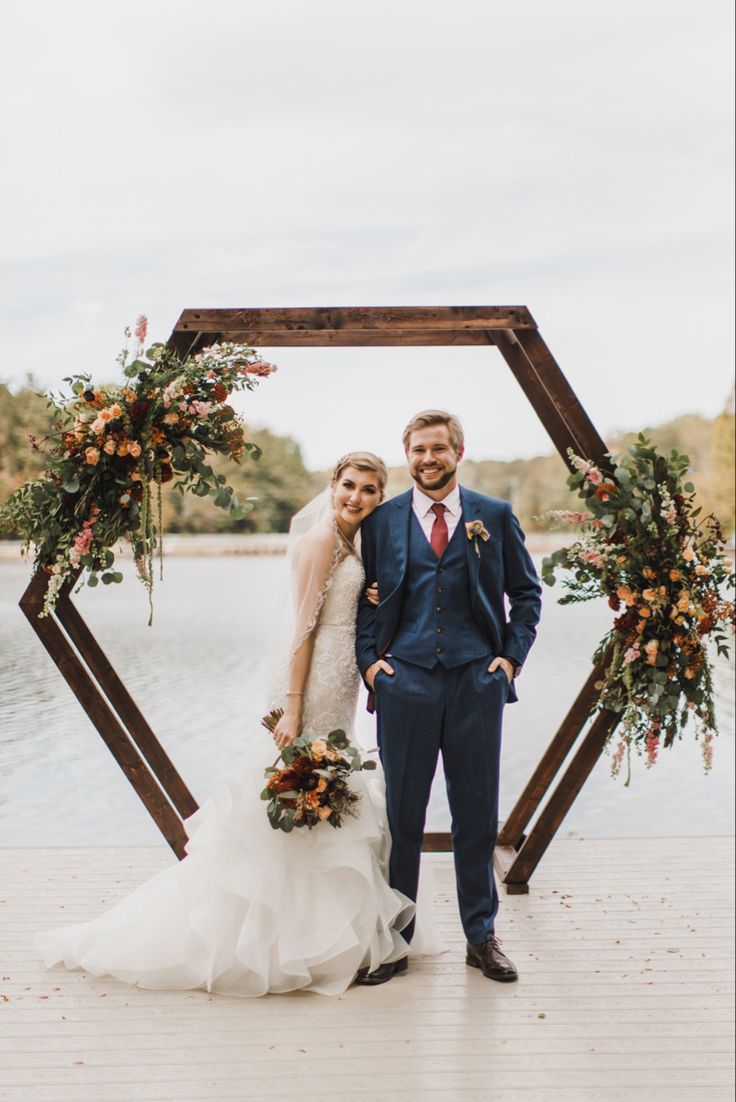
(573, 157)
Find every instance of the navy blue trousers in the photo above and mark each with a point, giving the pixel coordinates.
(458, 712)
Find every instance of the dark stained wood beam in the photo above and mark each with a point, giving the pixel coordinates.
(551, 396)
(512, 833)
(350, 338)
(515, 868)
(290, 321)
(127, 710)
(94, 704)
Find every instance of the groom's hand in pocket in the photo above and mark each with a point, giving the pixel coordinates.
(370, 673)
(507, 667)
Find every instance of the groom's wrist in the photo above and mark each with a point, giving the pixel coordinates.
(516, 666)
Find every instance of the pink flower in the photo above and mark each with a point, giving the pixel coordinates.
(593, 557)
(652, 746)
(616, 758)
(631, 655)
(593, 475)
(141, 329)
(707, 751)
(259, 367)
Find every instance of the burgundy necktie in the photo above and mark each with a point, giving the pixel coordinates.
(438, 535)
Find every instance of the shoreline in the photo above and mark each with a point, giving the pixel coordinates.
(213, 544)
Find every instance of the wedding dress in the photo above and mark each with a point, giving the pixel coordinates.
(250, 909)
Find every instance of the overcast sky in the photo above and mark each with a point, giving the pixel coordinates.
(572, 157)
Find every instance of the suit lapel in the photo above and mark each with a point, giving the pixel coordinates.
(470, 511)
(399, 526)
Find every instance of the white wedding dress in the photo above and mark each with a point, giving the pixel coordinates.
(250, 909)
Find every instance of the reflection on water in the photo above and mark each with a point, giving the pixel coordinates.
(197, 677)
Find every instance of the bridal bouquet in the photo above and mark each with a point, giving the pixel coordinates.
(312, 787)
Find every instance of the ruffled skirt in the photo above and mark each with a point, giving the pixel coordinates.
(252, 910)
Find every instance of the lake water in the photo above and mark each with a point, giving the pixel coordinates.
(196, 677)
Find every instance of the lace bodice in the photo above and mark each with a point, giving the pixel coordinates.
(331, 692)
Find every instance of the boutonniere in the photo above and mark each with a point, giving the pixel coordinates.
(474, 530)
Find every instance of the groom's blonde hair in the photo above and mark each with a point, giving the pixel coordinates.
(436, 417)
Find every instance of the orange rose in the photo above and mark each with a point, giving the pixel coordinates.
(123, 447)
(648, 573)
(324, 813)
(134, 449)
(626, 595)
(109, 447)
(675, 575)
(92, 456)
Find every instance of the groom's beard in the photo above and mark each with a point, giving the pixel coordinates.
(438, 484)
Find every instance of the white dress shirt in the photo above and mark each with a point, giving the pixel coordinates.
(422, 506)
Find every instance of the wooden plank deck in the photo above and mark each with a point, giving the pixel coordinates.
(625, 949)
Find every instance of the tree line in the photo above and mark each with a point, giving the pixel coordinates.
(282, 484)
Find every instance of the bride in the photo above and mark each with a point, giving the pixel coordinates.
(250, 909)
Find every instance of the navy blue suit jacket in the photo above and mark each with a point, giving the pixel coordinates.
(503, 567)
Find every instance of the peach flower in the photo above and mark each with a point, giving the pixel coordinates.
(109, 447)
(92, 455)
(134, 449)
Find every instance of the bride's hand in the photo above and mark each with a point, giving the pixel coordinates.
(372, 593)
(287, 729)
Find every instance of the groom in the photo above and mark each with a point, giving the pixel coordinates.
(439, 656)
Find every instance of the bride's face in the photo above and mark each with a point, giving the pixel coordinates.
(356, 494)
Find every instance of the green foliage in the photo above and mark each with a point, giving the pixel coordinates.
(646, 547)
(109, 451)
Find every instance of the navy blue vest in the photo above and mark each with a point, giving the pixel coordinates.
(437, 622)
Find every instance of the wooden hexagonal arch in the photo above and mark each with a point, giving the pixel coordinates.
(513, 331)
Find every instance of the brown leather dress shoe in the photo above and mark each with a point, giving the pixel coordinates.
(383, 973)
(491, 961)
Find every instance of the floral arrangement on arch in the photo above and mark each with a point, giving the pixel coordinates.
(645, 546)
(112, 449)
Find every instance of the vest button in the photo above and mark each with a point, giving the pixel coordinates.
(439, 609)
(438, 650)
(439, 630)
(440, 589)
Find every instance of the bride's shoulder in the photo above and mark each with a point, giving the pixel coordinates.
(318, 541)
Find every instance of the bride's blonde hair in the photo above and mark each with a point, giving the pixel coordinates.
(363, 461)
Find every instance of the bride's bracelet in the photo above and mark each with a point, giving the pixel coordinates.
(294, 693)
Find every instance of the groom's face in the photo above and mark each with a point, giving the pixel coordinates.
(432, 459)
